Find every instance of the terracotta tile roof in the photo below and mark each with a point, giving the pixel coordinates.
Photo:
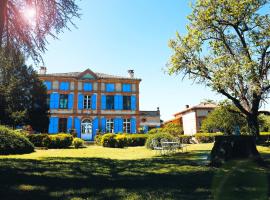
(199, 106)
(99, 75)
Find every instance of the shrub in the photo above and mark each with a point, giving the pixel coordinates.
(185, 139)
(155, 130)
(39, 140)
(60, 141)
(158, 137)
(12, 142)
(108, 140)
(136, 139)
(78, 143)
(98, 139)
(206, 137)
(121, 141)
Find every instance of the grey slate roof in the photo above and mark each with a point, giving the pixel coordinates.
(150, 113)
(99, 75)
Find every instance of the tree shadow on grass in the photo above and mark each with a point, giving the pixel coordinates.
(179, 176)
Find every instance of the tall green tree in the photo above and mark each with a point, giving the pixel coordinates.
(24, 24)
(23, 96)
(225, 118)
(227, 48)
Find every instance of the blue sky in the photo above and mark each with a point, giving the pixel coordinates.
(116, 35)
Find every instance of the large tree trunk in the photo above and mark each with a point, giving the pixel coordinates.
(253, 125)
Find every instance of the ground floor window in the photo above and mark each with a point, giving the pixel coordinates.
(62, 128)
(126, 126)
(109, 126)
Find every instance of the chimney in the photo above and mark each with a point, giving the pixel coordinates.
(158, 111)
(131, 73)
(43, 70)
(187, 106)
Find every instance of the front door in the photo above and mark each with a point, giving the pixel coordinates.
(87, 130)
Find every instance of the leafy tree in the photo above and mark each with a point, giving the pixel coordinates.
(24, 24)
(264, 123)
(23, 95)
(173, 129)
(225, 118)
(227, 48)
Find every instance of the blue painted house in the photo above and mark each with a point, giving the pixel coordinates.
(88, 102)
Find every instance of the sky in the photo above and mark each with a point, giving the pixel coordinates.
(113, 36)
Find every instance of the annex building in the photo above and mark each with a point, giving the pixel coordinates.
(87, 102)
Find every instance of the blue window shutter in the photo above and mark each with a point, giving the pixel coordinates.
(116, 124)
(103, 125)
(133, 125)
(80, 101)
(120, 102)
(70, 101)
(64, 86)
(103, 102)
(51, 100)
(48, 85)
(94, 128)
(51, 125)
(116, 100)
(133, 102)
(109, 87)
(69, 124)
(126, 87)
(87, 86)
(120, 125)
(56, 100)
(94, 102)
(55, 126)
(77, 125)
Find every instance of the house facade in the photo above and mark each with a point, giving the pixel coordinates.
(150, 120)
(191, 118)
(87, 102)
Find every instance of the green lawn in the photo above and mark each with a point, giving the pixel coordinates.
(131, 173)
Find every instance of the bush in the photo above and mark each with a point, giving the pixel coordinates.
(108, 140)
(39, 140)
(134, 140)
(185, 139)
(207, 137)
(98, 139)
(12, 142)
(121, 141)
(155, 130)
(158, 137)
(78, 143)
(60, 141)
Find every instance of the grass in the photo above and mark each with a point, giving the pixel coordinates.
(132, 173)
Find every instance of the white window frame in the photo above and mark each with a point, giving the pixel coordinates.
(109, 125)
(87, 102)
(127, 126)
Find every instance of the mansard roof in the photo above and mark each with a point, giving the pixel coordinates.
(89, 73)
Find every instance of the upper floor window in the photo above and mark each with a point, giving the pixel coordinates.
(87, 86)
(48, 85)
(63, 102)
(126, 87)
(64, 86)
(110, 87)
(62, 127)
(126, 126)
(127, 102)
(48, 99)
(109, 126)
(87, 102)
(109, 102)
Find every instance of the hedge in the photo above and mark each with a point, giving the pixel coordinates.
(12, 142)
(120, 140)
(78, 143)
(57, 141)
(207, 137)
